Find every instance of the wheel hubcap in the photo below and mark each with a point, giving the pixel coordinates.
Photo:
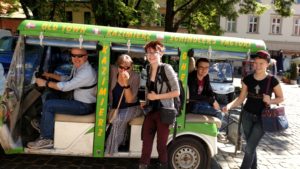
(186, 157)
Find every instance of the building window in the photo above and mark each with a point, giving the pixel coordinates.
(87, 18)
(231, 25)
(297, 26)
(69, 16)
(276, 26)
(253, 24)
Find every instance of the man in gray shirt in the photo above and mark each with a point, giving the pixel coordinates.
(83, 82)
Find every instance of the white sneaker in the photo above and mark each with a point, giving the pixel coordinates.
(41, 143)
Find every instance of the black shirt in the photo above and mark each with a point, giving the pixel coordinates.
(256, 89)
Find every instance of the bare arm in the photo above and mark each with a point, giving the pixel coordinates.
(52, 76)
(278, 96)
(238, 101)
(169, 95)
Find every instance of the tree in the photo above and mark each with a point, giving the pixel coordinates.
(122, 13)
(8, 6)
(205, 14)
(53, 10)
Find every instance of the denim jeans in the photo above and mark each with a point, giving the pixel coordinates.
(206, 109)
(53, 106)
(253, 131)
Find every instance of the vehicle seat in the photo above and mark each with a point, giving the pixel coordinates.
(90, 118)
(199, 118)
(73, 133)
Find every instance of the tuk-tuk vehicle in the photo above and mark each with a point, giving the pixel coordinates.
(194, 142)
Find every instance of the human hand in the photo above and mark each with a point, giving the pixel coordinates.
(152, 96)
(216, 105)
(40, 82)
(225, 109)
(266, 99)
(124, 77)
(46, 75)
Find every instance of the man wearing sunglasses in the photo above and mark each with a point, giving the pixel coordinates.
(82, 81)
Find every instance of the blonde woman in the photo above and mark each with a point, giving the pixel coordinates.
(122, 78)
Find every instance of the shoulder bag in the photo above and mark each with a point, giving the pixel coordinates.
(113, 113)
(273, 119)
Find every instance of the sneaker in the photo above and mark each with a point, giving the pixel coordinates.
(222, 138)
(35, 124)
(41, 143)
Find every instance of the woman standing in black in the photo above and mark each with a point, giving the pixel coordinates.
(254, 88)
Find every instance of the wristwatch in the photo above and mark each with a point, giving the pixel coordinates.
(126, 87)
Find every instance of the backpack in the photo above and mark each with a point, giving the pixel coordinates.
(178, 101)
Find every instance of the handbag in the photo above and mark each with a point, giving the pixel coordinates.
(112, 114)
(273, 118)
(167, 115)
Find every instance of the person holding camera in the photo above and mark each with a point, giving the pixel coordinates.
(83, 82)
(157, 96)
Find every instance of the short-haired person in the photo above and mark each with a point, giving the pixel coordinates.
(122, 78)
(152, 123)
(82, 81)
(202, 97)
(254, 88)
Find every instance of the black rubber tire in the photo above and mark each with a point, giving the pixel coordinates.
(187, 153)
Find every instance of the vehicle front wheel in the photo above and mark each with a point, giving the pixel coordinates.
(187, 153)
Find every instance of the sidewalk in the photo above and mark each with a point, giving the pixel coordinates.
(276, 150)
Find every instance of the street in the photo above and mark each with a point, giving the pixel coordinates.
(276, 150)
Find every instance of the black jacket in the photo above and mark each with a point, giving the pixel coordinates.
(207, 94)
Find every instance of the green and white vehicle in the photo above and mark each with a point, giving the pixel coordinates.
(195, 141)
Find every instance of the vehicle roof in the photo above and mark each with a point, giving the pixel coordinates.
(124, 35)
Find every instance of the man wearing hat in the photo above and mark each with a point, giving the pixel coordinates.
(82, 81)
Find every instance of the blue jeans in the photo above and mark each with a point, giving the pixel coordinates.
(53, 106)
(206, 109)
(253, 131)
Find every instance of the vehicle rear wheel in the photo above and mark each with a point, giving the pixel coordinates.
(187, 153)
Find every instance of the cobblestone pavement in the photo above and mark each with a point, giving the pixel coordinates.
(276, 150)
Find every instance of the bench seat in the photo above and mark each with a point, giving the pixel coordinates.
(199, 118)
(90, 118)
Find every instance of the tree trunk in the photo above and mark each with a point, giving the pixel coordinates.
(169, 19)
(24, 7)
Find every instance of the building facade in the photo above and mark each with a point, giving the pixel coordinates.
(281, 34)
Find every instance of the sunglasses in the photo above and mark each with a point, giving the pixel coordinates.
(78, 55)
(124, 68)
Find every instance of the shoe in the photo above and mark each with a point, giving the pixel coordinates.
(143, 166)
(41, 143)
(163, 166)
(35, 124)
(222, 138)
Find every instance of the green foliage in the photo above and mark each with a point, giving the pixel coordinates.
(294, 72)
(123, 13)
(283, 7)
(205, 14)
(8, 6)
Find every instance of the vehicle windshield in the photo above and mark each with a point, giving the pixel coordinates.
(6, 44)
(221, 72)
